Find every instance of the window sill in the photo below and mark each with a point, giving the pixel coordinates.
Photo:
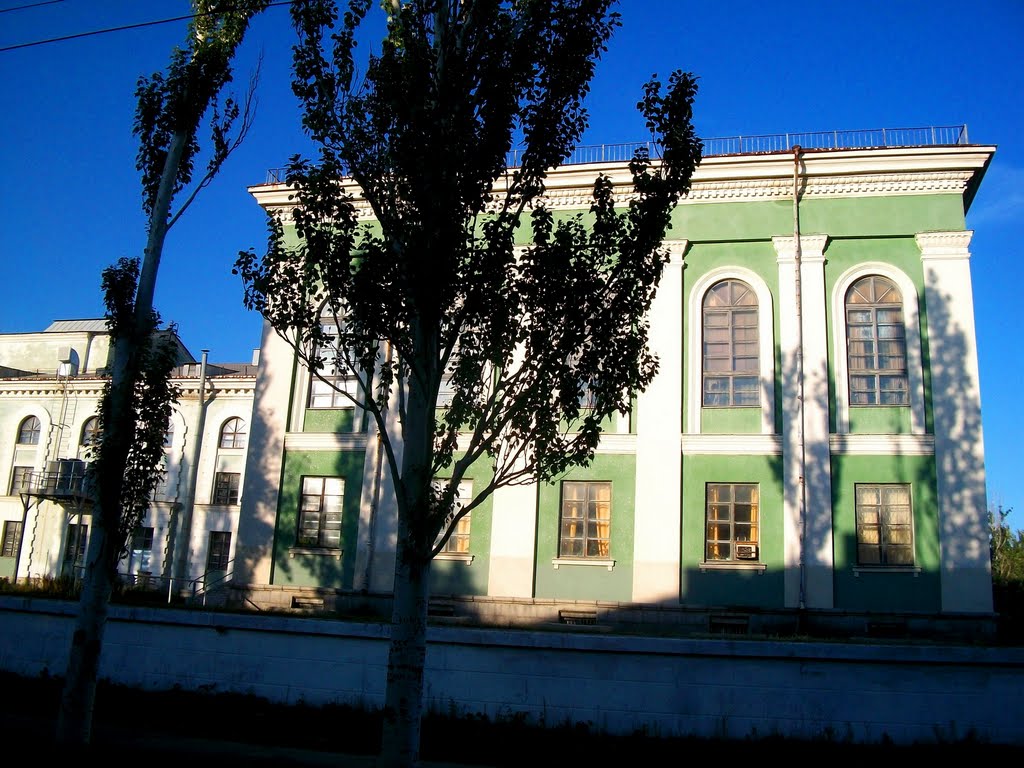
(600, 562)
(315, 552)
(728, 407)
(458, 557)
(732, 565)
(911, 569)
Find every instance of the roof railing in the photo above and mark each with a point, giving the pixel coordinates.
(928, 136)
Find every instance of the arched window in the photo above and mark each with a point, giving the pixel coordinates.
(876, 343)
(233, 434)
(731, 364)
(28, 432)
(169, 434)
(90, 432)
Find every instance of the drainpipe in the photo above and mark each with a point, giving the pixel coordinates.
(181, 572)
(375, 500)
(802, 497)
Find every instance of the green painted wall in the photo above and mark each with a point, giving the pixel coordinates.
(886, 591)
(292, 569)
(836, 217)
(730, 421)
(881, 420)
(6, 567)
(332, 420)
(740, 588)
(903, 253)
(453, 577)
(589, 582)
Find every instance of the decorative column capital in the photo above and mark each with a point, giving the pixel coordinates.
(812, 248)
(944, 245)
(676, 251)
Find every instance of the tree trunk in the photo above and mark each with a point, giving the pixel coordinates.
(74, 720)
(403, 703)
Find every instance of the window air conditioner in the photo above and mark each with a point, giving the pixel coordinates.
(746, 551)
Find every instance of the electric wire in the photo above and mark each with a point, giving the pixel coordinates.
(140, 25)
(32, 5)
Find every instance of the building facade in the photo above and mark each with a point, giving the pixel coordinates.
(811, 443)
(51, 383)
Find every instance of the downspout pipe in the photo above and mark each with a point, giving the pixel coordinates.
(181, 572)
(801, 445)
(375, 499)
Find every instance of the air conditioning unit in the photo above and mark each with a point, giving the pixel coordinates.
(746, 551)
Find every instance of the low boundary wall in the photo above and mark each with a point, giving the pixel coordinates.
(734, 688)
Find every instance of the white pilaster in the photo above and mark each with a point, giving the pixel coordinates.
(258, 515)
(956, 408)
(513, 534)
(657, 509)
(807, 477)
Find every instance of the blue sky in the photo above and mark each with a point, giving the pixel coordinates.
(71, 194)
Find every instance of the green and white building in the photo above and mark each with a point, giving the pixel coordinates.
(811, 449)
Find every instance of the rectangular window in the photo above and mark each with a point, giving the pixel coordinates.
(320, 512)
(12, 535)
(458, 542)
(218, 556)
(141, 555)
(225, 488)
(885, 525)
(336, 384)
(74, 548)
(20, 478)
(585, 525)
(733, 522)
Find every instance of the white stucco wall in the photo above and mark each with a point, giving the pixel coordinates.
(619, 684)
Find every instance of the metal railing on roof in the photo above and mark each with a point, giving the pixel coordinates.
(928, 136)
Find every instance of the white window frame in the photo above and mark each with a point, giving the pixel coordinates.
(732, 541)
(912, 335)
(464, 494)
(597, 559)
(299, 517)
(885, 566)
(243, 431)
(694, 337)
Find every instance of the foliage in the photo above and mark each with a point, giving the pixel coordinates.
(437, 291)
(1007, 575)
(173, 103)
(521, 335)
(151, 403)
(1007, 548)
(135, 408)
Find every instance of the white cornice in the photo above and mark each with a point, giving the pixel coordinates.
(882, 445)
(736, 445)
(325, 441)
(824, 173)
(944, 245)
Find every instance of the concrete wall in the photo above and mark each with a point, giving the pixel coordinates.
(665, 686)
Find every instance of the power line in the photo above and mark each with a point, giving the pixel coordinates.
(116, 29)
(33, 5)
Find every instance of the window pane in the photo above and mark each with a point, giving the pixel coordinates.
(885, 530)
(874, 313)
(585, 526)
(732, 514)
